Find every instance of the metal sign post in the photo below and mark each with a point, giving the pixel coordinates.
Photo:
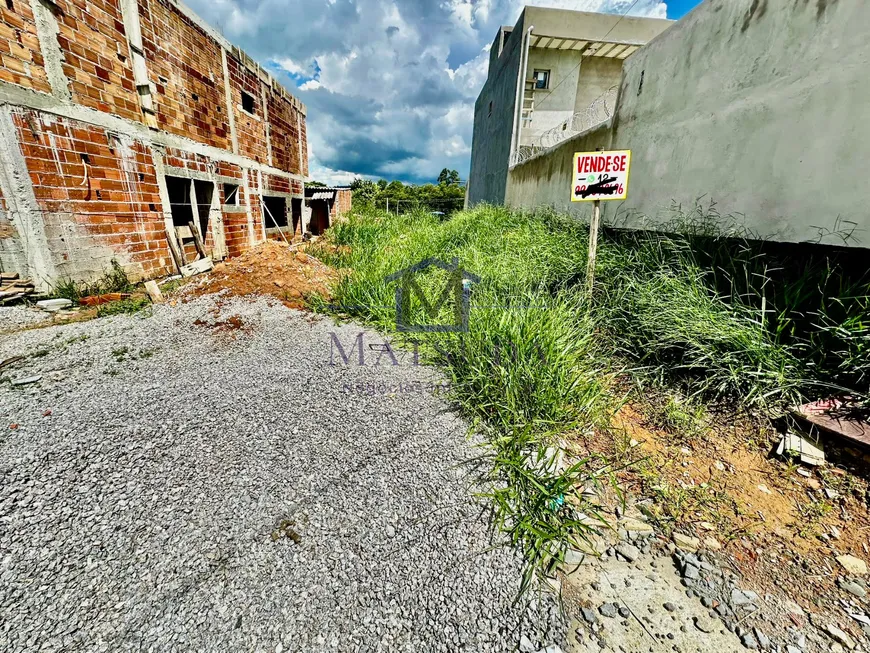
(599, 176)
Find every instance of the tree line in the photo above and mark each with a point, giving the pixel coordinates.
(446, 196)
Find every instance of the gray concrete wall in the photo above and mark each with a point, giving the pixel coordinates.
(762, 106)
(597, 76)
(555, 105)
(491, 143)
(546, 179)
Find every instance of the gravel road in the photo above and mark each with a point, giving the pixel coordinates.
(201, 478)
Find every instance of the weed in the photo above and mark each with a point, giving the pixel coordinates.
(695, 316)
(77, 339)
(113, 281)
(124, 307)
(40, 353)
(812, 515)
(120, 354)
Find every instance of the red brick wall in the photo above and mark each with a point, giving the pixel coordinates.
(96, 56)
(236, 219)
(109, 208)
(342, 205)
(20, 56)
(251, 129)
(185, 64)
(284, 133)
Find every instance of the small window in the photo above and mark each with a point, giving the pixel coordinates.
(542, 79)
(490, 107)
(231, 194)
(247, 102)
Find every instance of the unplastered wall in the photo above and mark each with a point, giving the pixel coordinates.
(760, 106)
(94, 199)
(184, 64)
(21, 59)
(95, 55)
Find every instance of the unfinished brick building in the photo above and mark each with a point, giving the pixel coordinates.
(132, 131)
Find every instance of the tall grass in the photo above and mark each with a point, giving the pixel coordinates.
(721, 317)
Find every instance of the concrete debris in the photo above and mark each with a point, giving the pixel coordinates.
(809, 452)
(53, 305)
(153, 291)
(764, 489)
(27, 380)
(712, 544)
(741, 598)
(853, 565)
(628, 551)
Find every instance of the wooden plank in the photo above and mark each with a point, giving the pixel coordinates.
(831, 418)
(200, 247)
(197, 267)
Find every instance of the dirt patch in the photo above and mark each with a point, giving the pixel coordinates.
(273, 268)
(781, 524)
(231, 325)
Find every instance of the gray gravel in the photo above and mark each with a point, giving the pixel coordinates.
(20, 315)
(199, 488)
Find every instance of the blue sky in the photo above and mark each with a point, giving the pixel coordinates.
(390, 85)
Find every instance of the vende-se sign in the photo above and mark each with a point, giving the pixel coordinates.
(601, 176)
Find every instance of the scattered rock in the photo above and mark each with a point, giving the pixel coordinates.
(635, 528)
(589, 616)
(741, 598)
(853, 565)
(624, 612)
(853, 588)
(764, 489)
(749, 641)
(691, 572)
(628, 551)
(705, 625)
(670, 607)
(686, 542)
(526, 645)
(609, 610)
(763, 640)
(841, 637)
(712, 544)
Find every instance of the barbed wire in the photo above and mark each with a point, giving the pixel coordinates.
(600, 111)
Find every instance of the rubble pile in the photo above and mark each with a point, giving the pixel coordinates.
(13, 289)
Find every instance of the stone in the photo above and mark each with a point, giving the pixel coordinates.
(670, 607)
(624, 612)
(853, 588)
(705, 625)
(691, 572)
(749, 641)
(686, 542)
(635, 528)
(712, 544)
(53, 305)
(840, 637)
(526, 645)
(792, 649)
(608, 610)
(628, 551)
(763, 640)
(853, 565)
(741, 598)
(589, 616)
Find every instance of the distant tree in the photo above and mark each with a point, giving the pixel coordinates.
(448, 178)
(316, 184)
(364, 191)
(382, 183)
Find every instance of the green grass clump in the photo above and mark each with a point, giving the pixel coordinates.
(698, 316)
(113, 281)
